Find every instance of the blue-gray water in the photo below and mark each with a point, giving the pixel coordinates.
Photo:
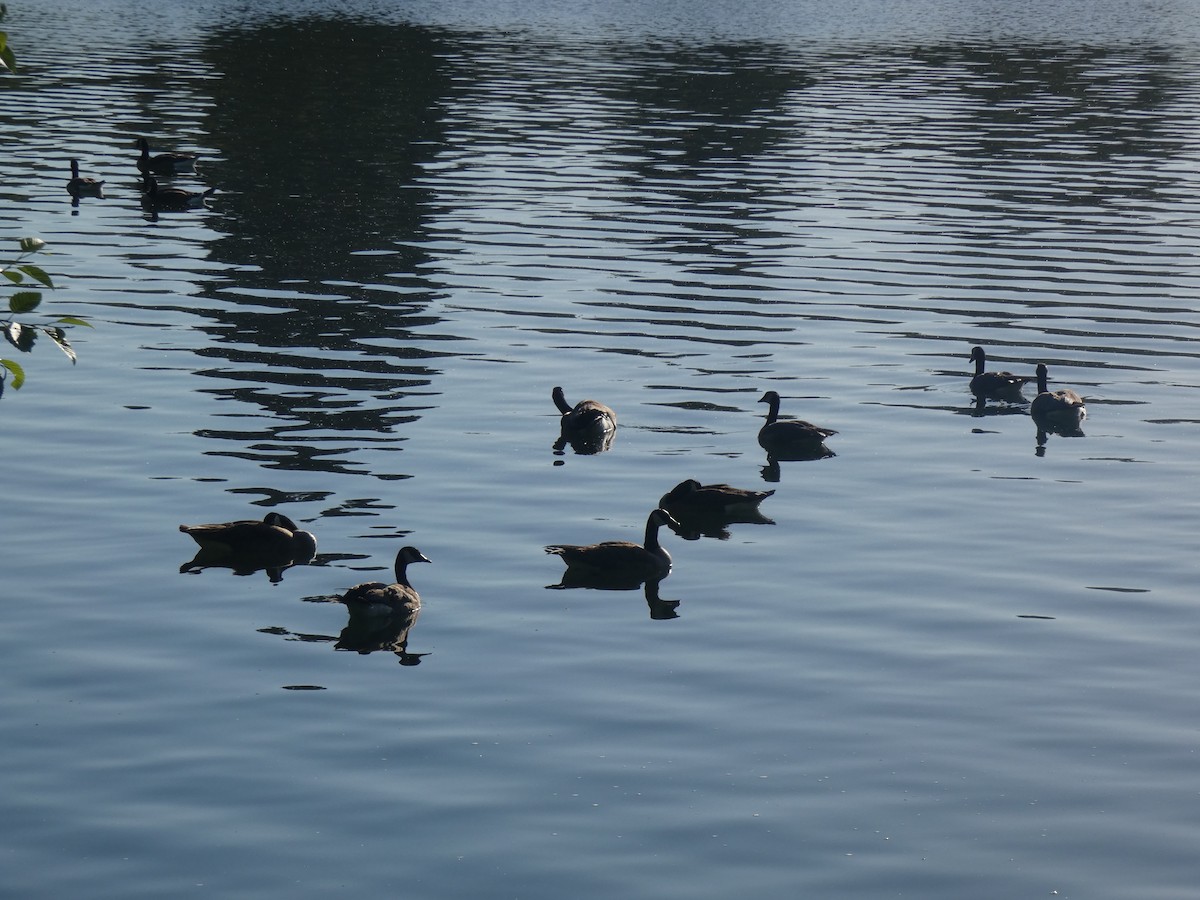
(959, 664)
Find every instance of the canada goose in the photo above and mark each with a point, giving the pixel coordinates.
(691, 496)
(377, 598)
(1063, 403)
(623, 559)
(586, 417)
(170, 163)
(83, 187)
(276, 536)
(779, 436)
(707, 510)
(156, 197)
(997, 385)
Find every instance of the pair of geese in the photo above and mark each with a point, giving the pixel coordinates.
(152, 166)
(1060, 404)
(278, 538)
(592, 419)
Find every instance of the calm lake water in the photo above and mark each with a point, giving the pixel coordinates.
(962, 661)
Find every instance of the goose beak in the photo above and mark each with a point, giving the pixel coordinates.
(668, 519)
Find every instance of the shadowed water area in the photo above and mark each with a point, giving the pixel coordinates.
(953, 655)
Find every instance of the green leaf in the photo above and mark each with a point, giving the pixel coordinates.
(60, 337)
(75, 320)
(24, 301)
(20, 336)
(12, 275)
(37, 274)
(18, 374)
(31, 244)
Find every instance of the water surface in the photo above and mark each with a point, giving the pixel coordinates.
(960, 662)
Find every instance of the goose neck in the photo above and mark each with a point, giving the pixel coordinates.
(651, 541)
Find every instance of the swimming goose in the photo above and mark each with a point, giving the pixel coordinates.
(1063, 403)
(778, 436)
(170, 163)
(83, 187)
(275, 536)
(997, 385)
(623, 559)
(707, 510)
(586, 417)
(693, 498)
(156, 197)
(377, 598)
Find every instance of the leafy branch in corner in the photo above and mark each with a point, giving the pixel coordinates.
(26, 276)
(7, 60)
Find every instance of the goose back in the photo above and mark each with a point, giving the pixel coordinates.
(690, 496)
(585, 417)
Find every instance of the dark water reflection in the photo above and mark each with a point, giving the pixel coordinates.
(241, 563)
(324, 311)
(323, 173)
(660, 609)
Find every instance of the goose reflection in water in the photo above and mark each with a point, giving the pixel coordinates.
(584, 445)
(1062, 427)
(368, 632)
(273, 545)
(706, 510)
(771, 472)
(659, 608)
(363, 634)
(980, 408)
(589, 426)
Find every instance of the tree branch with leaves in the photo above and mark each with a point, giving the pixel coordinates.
(28, 277)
